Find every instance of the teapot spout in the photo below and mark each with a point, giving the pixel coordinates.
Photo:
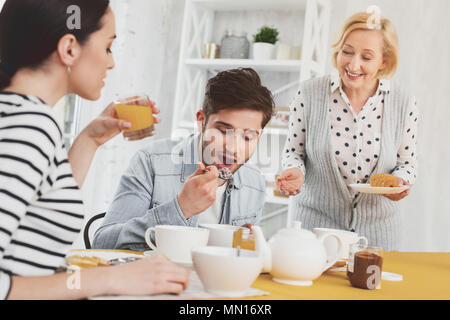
(262, 247)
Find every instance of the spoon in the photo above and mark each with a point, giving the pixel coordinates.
(224, 173)
(117, 261)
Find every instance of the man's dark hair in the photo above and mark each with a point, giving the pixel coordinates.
(238, 89)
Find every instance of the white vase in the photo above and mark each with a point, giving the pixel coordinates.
(263, 51)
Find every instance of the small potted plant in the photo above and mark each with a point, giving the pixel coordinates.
(264, 43)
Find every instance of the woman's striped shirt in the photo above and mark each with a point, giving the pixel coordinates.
(41, 208)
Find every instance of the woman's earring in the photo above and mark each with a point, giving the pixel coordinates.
(69, 69)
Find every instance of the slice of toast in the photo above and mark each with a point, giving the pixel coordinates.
(383, 180)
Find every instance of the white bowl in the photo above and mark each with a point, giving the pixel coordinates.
(223, 273)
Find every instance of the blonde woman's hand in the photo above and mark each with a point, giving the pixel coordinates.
(148, 276)
(290, 182)
(399, 196)
(107, 125)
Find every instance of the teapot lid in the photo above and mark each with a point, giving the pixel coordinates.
(297, 231)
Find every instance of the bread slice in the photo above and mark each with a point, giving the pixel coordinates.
(383, 180)
(85, 262)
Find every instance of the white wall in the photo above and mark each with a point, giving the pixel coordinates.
(147, 58)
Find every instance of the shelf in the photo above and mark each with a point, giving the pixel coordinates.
(272, 214)
(258, 65)
(276, 131)
(239, 5)
(270, 198)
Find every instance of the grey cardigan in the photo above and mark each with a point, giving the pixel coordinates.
(325, 200)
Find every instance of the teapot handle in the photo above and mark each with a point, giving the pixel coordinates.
(335, 258)
(263, 248)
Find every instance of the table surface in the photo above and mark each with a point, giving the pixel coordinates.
(425, 276)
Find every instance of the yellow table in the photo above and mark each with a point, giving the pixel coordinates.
(425, 276)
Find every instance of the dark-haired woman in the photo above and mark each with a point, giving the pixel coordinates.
(40, 201)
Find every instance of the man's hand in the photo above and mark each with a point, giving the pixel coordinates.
(399, 196)
(199, 191)
(290, 182)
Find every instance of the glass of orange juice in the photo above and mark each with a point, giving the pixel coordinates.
(136, 110)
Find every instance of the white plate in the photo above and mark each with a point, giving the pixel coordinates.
(186, 264)
(366, 188)
(103, 254)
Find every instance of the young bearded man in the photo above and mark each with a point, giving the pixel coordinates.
(177, 182)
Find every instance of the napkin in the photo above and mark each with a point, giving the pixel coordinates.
(194, 290)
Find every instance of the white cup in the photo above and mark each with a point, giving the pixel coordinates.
(221, 235)
(176, 242)
(348, 238)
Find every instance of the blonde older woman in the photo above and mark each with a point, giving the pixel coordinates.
(345, 128)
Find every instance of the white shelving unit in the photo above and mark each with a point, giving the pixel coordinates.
(193, 72)
(290, 66)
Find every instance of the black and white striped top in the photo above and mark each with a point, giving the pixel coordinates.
(41, 208)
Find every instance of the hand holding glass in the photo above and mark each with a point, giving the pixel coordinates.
(138, 111)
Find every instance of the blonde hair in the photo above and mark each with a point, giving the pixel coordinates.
(363, 21)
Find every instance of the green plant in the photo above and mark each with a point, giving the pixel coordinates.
(266, 34)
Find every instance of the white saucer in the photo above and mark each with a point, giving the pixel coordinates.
(366, 188)
(338, 269)
(389, 276)
(294, 282)
(186, 264)
(149, 253)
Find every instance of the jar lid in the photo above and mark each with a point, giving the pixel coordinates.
(238, 33)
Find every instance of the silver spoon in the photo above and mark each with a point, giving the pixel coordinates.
(224, 173)
(117, 261)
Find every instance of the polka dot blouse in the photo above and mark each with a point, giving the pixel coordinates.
(355, 137)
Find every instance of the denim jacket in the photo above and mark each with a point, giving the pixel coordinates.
(148, 190)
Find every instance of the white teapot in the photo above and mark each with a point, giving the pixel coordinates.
(294, 255)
